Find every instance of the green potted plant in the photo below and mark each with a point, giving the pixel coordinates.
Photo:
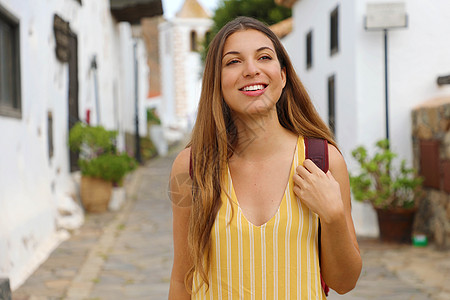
(393, 192)
(101, 165)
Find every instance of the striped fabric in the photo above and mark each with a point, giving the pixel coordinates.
(277, 260)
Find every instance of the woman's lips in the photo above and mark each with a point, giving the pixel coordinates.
(254, 90)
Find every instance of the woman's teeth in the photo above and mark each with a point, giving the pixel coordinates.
(255, 87)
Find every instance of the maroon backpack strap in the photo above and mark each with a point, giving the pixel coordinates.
(191, 169)
(317, 151)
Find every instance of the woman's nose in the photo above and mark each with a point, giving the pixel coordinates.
(250, 69)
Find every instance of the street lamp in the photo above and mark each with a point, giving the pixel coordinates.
(385, 16)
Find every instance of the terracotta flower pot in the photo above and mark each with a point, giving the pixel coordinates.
(95, 194)
(395, 224)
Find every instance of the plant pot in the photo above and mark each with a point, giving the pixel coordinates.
(395, 224)
(95, 194)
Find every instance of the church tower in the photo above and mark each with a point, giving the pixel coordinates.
(181, 67)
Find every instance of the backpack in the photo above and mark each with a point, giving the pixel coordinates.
(317, 151)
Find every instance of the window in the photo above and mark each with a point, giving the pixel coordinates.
(208, 36)
(309, 50)
(50, 134)
(193, 41)
(332, 104)
(334, 36)
(10, 103)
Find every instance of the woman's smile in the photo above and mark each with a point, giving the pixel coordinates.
(254, 90)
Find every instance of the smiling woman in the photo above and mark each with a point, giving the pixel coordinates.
(252, 77)
(246, 221)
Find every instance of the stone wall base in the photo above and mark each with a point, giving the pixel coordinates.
(5, 290)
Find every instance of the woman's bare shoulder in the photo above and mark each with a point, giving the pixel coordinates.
(336, 160)
(180, 180)
(182, 162)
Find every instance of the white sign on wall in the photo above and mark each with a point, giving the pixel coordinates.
(385, 16)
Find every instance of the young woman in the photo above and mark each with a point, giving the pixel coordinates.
(246, 203)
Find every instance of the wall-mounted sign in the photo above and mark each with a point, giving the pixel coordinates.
(385, 16)
(61, 29)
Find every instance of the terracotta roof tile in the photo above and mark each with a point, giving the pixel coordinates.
(282, 28)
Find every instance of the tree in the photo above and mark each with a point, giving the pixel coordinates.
(264, 10)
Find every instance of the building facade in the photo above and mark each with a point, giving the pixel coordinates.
(342, 66)
(61, 61)
(180, 41)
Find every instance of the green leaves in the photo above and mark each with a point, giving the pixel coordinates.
(110, 167)
(381, 185)
(91, 140)
(98, 154)
(266, 11)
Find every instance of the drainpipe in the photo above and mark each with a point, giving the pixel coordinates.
(97, 102)
(136, 104)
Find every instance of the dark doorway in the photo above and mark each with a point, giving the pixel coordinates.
(73, 92)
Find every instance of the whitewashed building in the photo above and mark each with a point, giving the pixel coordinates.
(60, 61)
(342, 66)
(180, 40)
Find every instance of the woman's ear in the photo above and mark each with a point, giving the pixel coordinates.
(283, 76)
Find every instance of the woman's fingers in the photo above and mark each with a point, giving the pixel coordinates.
(308, 167)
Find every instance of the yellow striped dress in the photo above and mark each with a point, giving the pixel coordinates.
(277, 260)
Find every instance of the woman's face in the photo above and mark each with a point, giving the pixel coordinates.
(252, 78)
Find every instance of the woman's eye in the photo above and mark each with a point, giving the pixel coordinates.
(232, 62)
(265, 57)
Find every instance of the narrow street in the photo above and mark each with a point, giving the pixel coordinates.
(128, 255)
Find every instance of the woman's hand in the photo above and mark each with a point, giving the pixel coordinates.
(319, 191)
(328, 195)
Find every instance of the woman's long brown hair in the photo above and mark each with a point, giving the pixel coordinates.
(214, 136)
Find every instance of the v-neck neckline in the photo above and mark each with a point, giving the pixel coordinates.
(283, 198)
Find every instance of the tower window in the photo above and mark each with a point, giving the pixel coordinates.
(194, 45)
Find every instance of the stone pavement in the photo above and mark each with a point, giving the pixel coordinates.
(128, 255)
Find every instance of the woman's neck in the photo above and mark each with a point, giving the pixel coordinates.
(260, 137)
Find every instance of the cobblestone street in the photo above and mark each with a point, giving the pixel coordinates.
(128, 255)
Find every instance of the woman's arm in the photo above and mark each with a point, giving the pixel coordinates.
(181, 197)
(328, 195)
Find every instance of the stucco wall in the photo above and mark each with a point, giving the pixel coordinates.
(417, 55)
(34, 187)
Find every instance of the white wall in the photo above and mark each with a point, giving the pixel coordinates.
(167, 107)
(417, 55)
(33, 187)
(315, 16)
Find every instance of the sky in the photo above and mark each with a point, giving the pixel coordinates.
(171, 7)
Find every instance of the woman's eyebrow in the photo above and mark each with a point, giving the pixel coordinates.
(231, 52)
(257, 50)
(265, 48)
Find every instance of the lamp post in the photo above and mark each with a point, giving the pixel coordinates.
(385, 16)
(136, 103)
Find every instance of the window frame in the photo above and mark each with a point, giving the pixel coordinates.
(334, 31)
(14, 110)
(331, 87)
(309, 50)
